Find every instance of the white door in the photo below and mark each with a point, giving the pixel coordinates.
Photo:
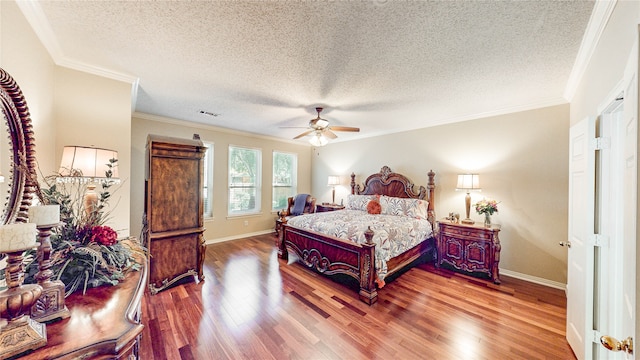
(629, 163)
(580, 272)
(623, 300)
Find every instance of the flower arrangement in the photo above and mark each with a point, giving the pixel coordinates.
(85, 252)
(486, 206)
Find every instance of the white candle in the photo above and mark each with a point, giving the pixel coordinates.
(44, 214)
(18, 236)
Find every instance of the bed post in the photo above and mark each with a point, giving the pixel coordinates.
(368, 292)
(353, 183)
(282, 249)
(431, 186)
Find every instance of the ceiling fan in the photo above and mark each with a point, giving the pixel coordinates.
(321, 131)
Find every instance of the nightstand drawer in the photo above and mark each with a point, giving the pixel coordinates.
(464, 232)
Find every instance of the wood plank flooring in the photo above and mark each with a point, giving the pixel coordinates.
(253, 305)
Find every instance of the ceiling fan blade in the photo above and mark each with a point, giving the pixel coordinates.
(303, 134)
(329, 134)
(344, 128)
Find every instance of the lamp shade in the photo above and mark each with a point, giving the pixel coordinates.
(88, 163)
(468, 182)
(333, 180)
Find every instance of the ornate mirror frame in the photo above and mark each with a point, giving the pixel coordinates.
(23, 177)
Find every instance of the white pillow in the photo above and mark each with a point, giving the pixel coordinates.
(358, 202)
(414, 208)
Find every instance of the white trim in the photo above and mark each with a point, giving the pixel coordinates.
(95, 70)
(610, 99)
(237, 237)
(242, 216)
(534, 279)
(600, 15)
(468, 117)
(135, 86)
(40, 25)
(197, 125)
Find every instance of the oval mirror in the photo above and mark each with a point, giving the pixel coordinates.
(21, 180)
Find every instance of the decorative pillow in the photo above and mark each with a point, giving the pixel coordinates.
(358, 202)
(374, 207)
(414, 208)
(422, 209)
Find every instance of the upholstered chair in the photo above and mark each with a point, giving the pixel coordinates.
(293, 209)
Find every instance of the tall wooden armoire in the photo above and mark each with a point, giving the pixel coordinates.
(174, 210)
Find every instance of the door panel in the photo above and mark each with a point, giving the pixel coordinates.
(621, 323)
(629, 190)
(580, 256)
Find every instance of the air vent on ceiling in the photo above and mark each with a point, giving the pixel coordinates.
(209, 113)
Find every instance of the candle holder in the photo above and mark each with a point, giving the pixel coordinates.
(21, 332)
(50, 306)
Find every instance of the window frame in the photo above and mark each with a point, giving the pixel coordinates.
(207, 198)
(294, 179)
(258, 182)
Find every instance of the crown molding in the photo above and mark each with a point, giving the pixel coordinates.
(600, 16)
(540, 104)
(40, 25)
(198, 125)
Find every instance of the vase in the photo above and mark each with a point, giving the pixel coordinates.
(487, 220)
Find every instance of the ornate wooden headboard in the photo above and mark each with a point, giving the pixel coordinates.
(389, 183)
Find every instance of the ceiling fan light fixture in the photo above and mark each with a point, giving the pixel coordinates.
(321, 123)
(318, 140)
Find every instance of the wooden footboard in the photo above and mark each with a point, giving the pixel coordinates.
(330, 256)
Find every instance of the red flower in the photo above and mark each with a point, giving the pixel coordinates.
(104, 235)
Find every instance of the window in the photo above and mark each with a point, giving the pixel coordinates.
(208, 181)
(245, 171)
(285, 169)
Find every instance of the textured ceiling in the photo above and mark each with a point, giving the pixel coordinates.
(383, 66)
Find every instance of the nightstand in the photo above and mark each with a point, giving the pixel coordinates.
(328, 207)
(470, 249)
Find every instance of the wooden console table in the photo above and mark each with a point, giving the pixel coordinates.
(104, 323)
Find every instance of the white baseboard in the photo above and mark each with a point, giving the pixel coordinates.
(239, 236)
(534, 279)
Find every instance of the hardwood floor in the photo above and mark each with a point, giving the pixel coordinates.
(253, 305)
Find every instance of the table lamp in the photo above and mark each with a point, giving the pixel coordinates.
(88, 165)
(468, 183)
(333, 181)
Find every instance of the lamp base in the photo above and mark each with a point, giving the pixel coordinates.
(468, 221)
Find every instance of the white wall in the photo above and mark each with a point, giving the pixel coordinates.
(27, 61)
(220, 227)
(68, 107)
(95, 111)
(606, 66)
(522, 161)
(522, 158)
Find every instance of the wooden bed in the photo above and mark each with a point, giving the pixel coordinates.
(330, 255)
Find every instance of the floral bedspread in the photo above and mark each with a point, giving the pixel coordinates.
(393, 234)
